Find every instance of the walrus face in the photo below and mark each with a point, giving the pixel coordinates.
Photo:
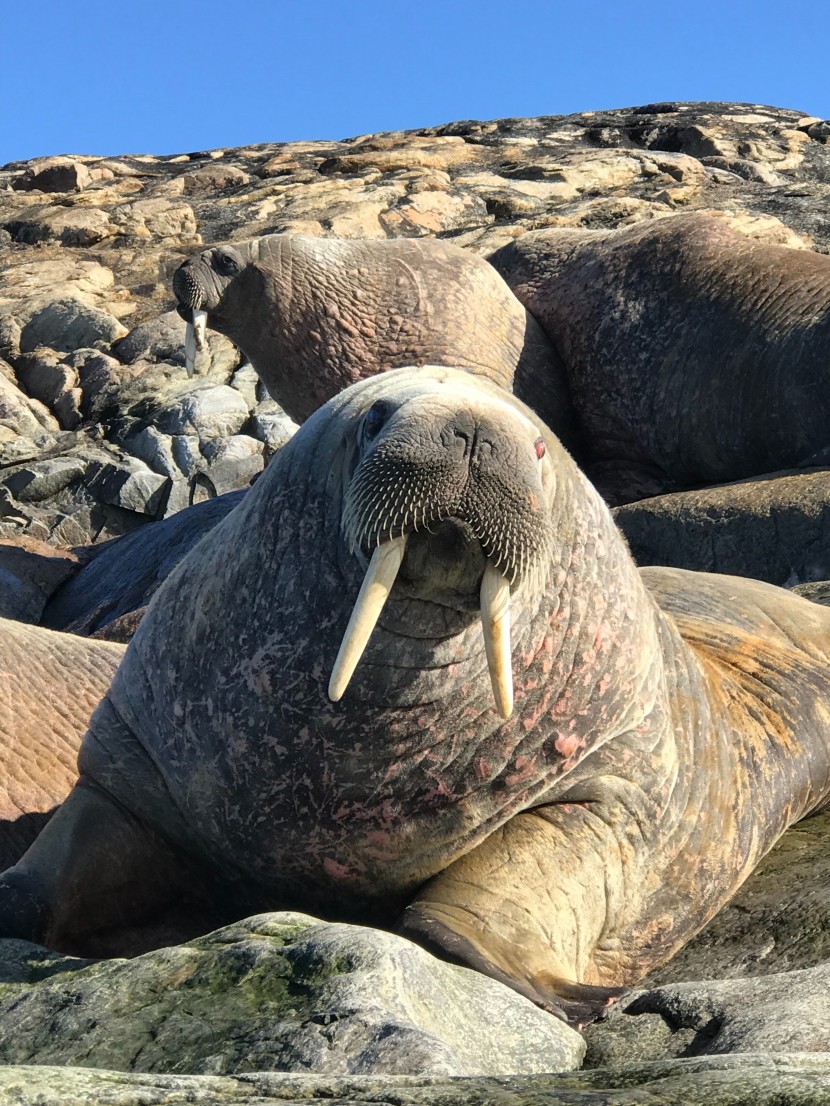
(199, 285)
(450, 496)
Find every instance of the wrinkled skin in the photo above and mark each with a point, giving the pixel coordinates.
(106, 597)
(694, 355)
(49, 686)
(315, 315)
(667, 726)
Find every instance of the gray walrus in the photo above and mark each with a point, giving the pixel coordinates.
(49, 686)
(694, 355)
(314, 315)
(563, 820)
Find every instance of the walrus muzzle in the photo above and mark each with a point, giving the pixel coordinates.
(189, 295)
(494, 493)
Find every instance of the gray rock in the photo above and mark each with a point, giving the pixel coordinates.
(130, 485)
(159, 339)
(44, 375)
(69, 324)
(20, 414)
(272, 427)
(29, 573)
(215, 411)
(278, 992)
(44, 479)
(780, 1079)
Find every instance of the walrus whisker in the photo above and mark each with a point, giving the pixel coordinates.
(374, 591)
(194, 339)
(495, 625)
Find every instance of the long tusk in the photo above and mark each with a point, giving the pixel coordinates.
(377, 583)
(194, 339)
(495, 623)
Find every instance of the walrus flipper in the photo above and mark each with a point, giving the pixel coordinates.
(93, 869)
(578, 1004)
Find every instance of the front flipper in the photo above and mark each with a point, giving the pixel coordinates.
(529, 906)
(578, 1004)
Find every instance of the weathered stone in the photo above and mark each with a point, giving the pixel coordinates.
(779, 1079)
(21, 415)
(273, 427)
(278, 992)
(70, 226)
(44, 375)
(43, 479)
(158, 339)
(69, 324)
(211, 412)
(54, 174)
(214, 178)
(131, 486)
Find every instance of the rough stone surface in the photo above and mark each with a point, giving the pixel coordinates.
(782, 1079)
(278, 992)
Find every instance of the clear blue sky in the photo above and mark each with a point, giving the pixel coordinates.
(100, 77)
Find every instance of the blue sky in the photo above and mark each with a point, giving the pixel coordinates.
(97, 77)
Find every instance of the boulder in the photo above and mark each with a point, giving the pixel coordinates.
(278, 992)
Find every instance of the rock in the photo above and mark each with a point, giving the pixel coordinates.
(278, 992)
(774, 1013)
(780, 1079)
(774, 528)
(43, 479)
(130, 485)
(20, 415)
(211, 412)
(158, 339)
(214, 178)
(54, 174)
(272, 426)
(45, 376)
(69, 324)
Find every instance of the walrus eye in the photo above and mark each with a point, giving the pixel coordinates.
(539, 446)
(226, 264)
(374, 419)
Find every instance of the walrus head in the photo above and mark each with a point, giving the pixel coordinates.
(448, 496)
(199, 285)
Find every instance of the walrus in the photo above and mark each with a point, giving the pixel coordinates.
(694, 355)
(513, 746)
(314, 315)
(49, 686)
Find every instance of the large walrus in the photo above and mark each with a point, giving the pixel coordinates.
(49, 686)
(314, 315)
(521, 750)
(694, 354)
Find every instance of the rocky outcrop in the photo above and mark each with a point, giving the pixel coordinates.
(279, 992)
(93, 372)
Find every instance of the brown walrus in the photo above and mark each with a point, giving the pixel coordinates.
(562, 821)
(694, 354)
(49, 686)
(314, 315)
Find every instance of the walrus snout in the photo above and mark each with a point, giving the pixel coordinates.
(428, 464)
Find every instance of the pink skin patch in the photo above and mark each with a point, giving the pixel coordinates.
(335, 869)
(567, 745)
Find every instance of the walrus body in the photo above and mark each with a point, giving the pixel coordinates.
(314, 315)
(49, 686)
(694, 354)
(666, 727)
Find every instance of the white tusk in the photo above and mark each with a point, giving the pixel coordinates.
(495, 623)
(194, 339)
(377, 583)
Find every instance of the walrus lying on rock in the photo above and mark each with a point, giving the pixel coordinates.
(49, 686)
(314, 315)
(522, 751)
(694, 354)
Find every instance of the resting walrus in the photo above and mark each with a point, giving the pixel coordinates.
(314, 315)
(694, 354)
(563, 822)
